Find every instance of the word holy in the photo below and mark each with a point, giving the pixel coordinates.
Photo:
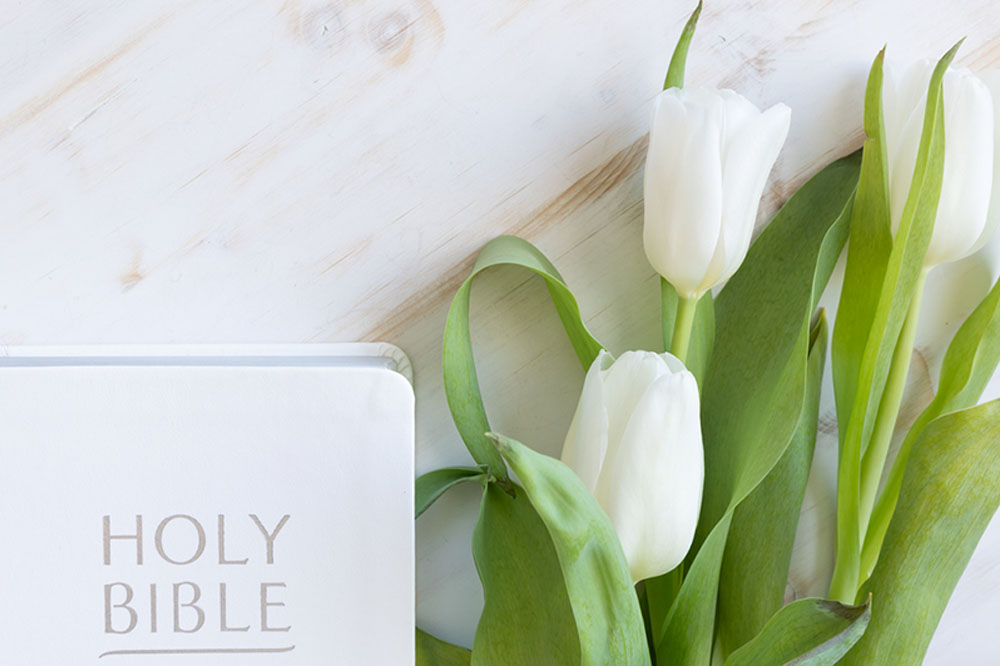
(189, 607)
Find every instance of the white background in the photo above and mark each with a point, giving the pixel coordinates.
(326, 170)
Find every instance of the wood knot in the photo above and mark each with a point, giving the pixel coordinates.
(390, 33)
(323, 26)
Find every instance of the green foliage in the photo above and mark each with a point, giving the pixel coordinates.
(604, 602)
(432, 651)
(678, 62)
(902, 277)
(968, 364)
(557, 587)
(527, 619)
(812, 632)
(868, 254)
(703, 333)
(755, 385)
(432, 485)
(759, 548)
(685, 635)
(948, 496)
(461, 383)
(556, 583)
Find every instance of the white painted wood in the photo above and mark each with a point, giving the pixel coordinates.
(315, 171)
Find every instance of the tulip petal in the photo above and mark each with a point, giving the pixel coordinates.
(673, 363)
(587, 439)
(992, 80)
(904, 98)
(683, 186)
(968, 168)
(961, 222)
(651, 489)
(752, 143)
(625, 384)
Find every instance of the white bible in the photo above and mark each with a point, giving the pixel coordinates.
(200, 505)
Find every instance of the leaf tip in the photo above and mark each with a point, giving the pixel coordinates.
(950, 55)
(504, 446)
(678, 62)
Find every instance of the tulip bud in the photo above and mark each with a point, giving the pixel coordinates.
(635, 441)
(710, 152)
(964, 220)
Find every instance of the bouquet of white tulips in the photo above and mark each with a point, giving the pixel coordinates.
(665, 532)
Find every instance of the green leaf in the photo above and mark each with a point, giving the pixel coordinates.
(527, 618)
(605, 605)
(867, 253)
(433, 651)
(972, 357)
(703, 333)
(678, 62)
(808, 631)
(762, 340)
(902, 276)
(949, 494)
(755, 385)
(687, 630)
(432, 485)
(968, 365)
(461, 384)
(759, 548)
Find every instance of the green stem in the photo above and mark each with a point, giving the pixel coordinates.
(683, 325)
(862, 471)
(676, 578)
(844, 581)
(661, 592)
(885, 506)
(873, 461)
(643, 594)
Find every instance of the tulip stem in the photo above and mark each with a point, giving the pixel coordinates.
(873, 461)
(683, 326)
(852, 570)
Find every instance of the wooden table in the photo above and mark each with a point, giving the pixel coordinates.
(315, 171)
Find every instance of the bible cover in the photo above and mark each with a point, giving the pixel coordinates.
(207, 505)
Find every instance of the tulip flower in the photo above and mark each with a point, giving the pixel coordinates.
(965, 217)
(710, 152)
(967, 213)
(971, 179)
(635, 441)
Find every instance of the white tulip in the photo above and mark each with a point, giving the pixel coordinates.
(965, 217)
(635, 441)
(710, 152)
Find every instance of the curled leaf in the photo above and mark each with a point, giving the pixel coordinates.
(432, 485)
(461, 383)
(812, 631)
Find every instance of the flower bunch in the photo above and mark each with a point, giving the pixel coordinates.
(664, 534)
